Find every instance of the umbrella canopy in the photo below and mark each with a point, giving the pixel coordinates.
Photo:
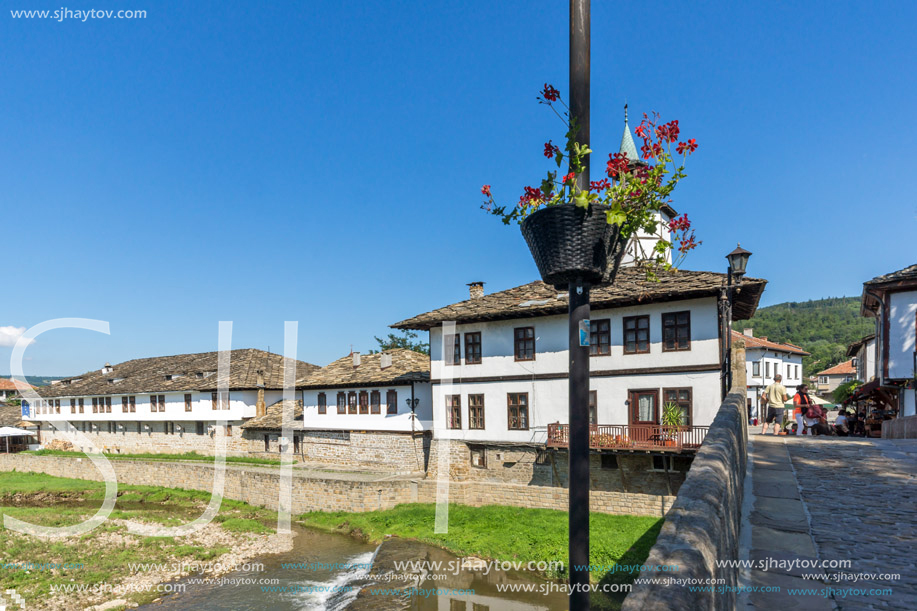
(10, 431)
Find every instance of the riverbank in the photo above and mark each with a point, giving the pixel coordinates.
(108, 566)
(507, 534)
(193, 456)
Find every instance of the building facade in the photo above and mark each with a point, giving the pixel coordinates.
(764, 359)
(161, 404)
(828, 380)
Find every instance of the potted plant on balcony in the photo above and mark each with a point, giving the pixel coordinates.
(576, 233)
(671, 420)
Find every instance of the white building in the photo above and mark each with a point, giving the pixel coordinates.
(364, 411)
(864, 358)
(891, 300)
(764, 359)
(504, 374)
(163, 404)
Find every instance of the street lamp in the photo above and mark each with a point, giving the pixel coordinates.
(738, 261)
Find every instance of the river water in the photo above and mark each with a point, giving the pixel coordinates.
(338, 577)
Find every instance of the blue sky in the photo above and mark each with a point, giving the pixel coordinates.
(322, 162)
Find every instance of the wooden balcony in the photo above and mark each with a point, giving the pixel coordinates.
(634, 437)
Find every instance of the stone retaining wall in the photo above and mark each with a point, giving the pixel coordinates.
(900, 428)
(703, 524)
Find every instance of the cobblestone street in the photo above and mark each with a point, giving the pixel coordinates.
(831, 499)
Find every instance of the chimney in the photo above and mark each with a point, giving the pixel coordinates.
(475, 290)
(749, 332)
(356, 359)
(107, 368)
(385, 361)
(763, 339)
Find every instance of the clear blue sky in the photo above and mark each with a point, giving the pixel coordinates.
(231, 161)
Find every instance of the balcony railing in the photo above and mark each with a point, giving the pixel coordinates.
(637, 437)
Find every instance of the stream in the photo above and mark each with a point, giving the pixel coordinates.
(334, 574)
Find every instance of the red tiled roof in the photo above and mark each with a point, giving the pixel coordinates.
(840, 369)
(6, 384)
(762, 342)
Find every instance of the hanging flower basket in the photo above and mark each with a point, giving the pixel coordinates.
(569, 243)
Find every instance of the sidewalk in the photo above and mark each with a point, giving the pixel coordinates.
(828, 499)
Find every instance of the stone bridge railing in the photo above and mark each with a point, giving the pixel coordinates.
(702, 527)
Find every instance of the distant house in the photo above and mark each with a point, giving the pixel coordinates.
(163, 404)
(764, 359)
(863, 352)
(365, 411)
(891, 299)
(829, 379)
(12, 389)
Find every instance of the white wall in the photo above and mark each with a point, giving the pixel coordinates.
(497, 343)
(866, 361)
(402, 421)
(241, 405)
(902, 316)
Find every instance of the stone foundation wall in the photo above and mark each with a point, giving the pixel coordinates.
(900, 428)
(155, 440)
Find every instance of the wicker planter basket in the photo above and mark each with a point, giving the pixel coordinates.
(570, 243)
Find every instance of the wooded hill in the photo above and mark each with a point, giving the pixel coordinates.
(823, 327)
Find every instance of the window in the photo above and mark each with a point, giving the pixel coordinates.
(643, 405)
(138, 427)
(478, 457)
(95, 405)
(295, 444)
(124, 404)
(593, 407)
(162, 403)
(111, 427)
(107, 404)
(72, 406)
(636, 334)
(473, 348)
(457, 605)
(154, 400)
(475, 411)
(822, 379)
(682, 398)
(133, 401)
(453, 411)
(676, 331)
(213, 400)
(81, 404)
(364, 402)
(228, 430)
(517, 411)
(391, 402)
(600, 337)
(57, 405)
(267, 443)
(524, 343)
(679, 464)
(756, 368)
(187, 403)
(352, 402)
(767, 369)
(375, 402)
(200, 427)
(609, 461)
(797, 370)
(322, 403)
(169, 428)
(342, 403)
(542, 457)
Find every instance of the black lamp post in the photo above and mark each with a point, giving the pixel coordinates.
(738, 261)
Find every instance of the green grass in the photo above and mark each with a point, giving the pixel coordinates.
(154, 456)
(504, 533)
(57, 501)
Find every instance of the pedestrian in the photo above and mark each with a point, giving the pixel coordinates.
(813, 419)
(840, 424)
(776, 397)
(801, 403)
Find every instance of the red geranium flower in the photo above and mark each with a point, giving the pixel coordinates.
(485, 190)
(549, 93)
(599, 185)
(550, 150)
(569, 177)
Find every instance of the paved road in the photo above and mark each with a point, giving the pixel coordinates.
(829, 499)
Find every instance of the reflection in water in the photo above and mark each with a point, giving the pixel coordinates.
(356, 587)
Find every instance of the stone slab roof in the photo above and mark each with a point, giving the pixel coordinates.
(189, 372)
(10, 415)
(762, 342)
(853, 348)
(407, 366)
(908, 273)
(630, 288)
(273, 417)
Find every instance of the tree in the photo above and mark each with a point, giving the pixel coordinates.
(845, 390)
(407, 340)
